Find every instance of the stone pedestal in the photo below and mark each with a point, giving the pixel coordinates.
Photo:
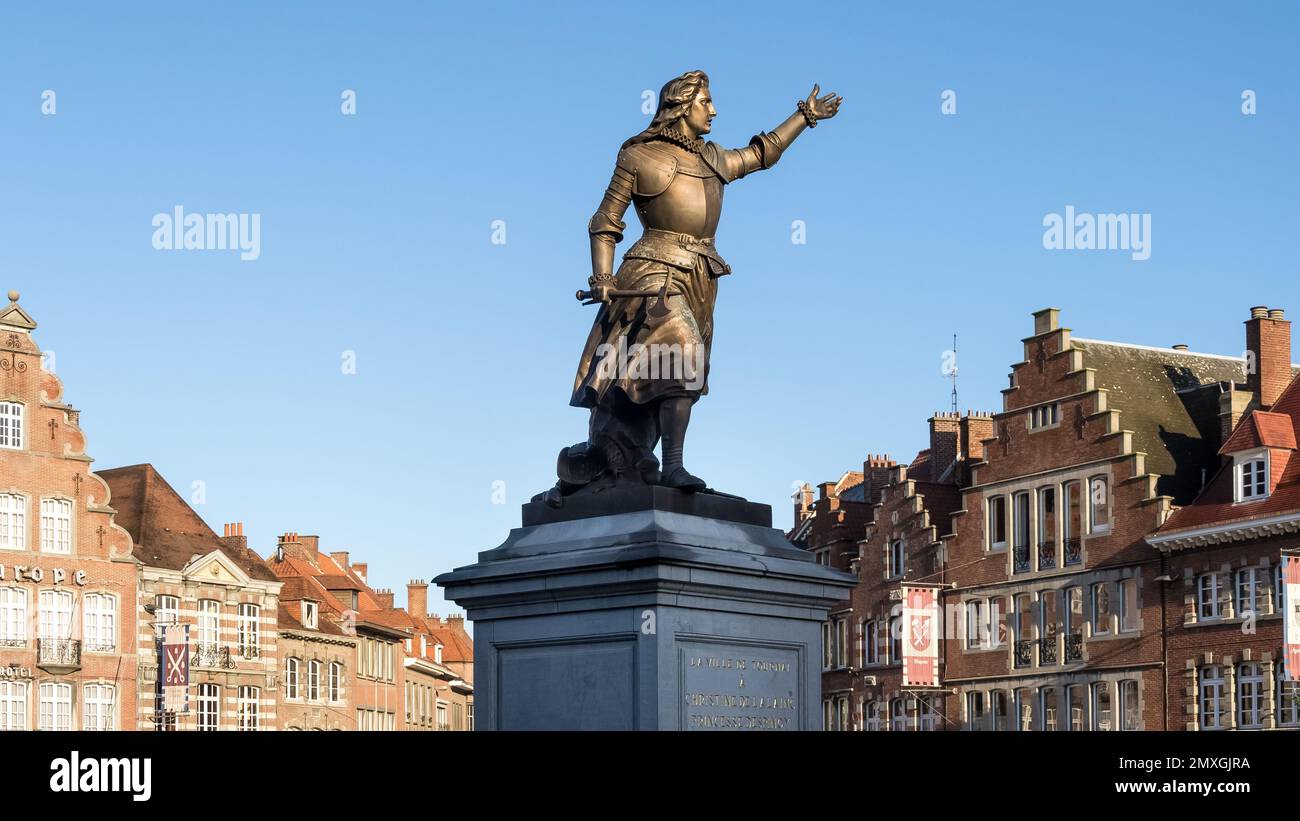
(646, 608)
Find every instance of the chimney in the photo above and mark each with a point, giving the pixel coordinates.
(340, 558)
(825, 490)
(944, 445)
(456, 622)
(1232, 406)
(233, 535)
(360, 569)
(1048, 319)
(976, 426)
(385, 598)
(417, 598)
(311, 544)
(803, 501)
(875, 476)
(1268, 354)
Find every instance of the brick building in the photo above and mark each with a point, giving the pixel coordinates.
(189, 575)
(67, 578)
(1223, 552)
(439, 688)
(318, 646)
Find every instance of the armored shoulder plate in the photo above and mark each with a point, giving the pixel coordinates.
(652, 170)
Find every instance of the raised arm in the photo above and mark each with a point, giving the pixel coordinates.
(767, 147)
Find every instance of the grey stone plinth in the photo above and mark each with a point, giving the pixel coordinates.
(633, 611)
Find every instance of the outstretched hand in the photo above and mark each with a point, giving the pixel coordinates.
(823, 108)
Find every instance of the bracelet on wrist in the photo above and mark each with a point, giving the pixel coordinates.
(808, 116)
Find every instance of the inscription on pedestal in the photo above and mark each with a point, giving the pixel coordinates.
(739, 687)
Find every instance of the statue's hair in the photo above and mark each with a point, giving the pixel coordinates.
(674, 97)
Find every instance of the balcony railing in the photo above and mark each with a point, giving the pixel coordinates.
(1020, 556)
(1025, 653)
(64, 653)
(1073, 552)
(249, 651)
(1073, 647)
(1046, 555)
(212, 655)
(1047, 651)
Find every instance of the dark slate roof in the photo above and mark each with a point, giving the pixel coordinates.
(167, 532)
(1169, 399)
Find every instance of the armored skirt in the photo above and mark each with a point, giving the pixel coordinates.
(646, 349)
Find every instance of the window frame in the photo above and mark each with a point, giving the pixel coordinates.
(248, 707)
(1259, 463)
(98, 707)
(56, 525)
(60, 704)
(13, 521)
(209, 696)
(292, 678)
(15, 704)
(95, 614)
(1217, 685)
(313, 680)
(997, 519)
(1215, 601)
(13, 425)
(1130, 594)
(15, 613)
(897, 559)
(249, 621)
(1093, 591)
(1107, 505)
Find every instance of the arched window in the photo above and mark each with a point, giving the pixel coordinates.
(291, 677)
(336, 681)
(248, 704)
(11, 425)
(1250, 696)
(56, 526)
(313, 681)
(249, 631)
(897, 715)
(13, 617)
(99, 632)
(97, 707)
(13, 521)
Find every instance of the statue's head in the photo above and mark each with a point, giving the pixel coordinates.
(684, 104)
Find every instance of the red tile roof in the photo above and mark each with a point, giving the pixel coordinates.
(1215, 505)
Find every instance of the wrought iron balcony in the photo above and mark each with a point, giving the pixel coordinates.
(212, 655)
(1025, 653)
(1047, 651)
(1073, 552)
(1073, 647)
(1020, 557)
(58, 654)
(1046, 555)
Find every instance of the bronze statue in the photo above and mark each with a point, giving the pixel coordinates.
(647, 357)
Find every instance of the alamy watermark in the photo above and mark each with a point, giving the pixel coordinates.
(179, 231)
(657, 360)
(1076, 231)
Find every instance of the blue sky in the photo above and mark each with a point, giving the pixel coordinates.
(376, 230)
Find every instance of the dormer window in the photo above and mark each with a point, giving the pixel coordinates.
(437, 653)
(309, 611)
(1252, 476)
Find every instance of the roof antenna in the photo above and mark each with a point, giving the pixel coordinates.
(953, 374)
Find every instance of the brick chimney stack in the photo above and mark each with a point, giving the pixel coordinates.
(340, 558)
(233, 534)
(385, 598)
(1268, 354)
(944, 443)
(976, 426)
(417, 598)
(875, 476)
(311, 544)
(360, 569)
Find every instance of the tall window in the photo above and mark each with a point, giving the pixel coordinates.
(11, 425)
(1049, 626)
(1103, 714)
(209, 623)
(248, 704)
(1214, 701)
(97, 707)
(55, 706)
(1020, 531)
(1129, 611)
(336, 681)
(56, 615)
(1130, 710)
(871, 716)
(99, 630)
(167, 610)
(1252, 590)
(309, 615)
(1101, 608)
(1099, 504)
(976, 711)
(1209, 588)
(828, 650)
(997, 523)
(896, 640)
(1076, 698)
(56, 526)
(897, 715)
(13, 705)
(871, 642)
(209, 707)
(1046, 528)
(313, 681)
(896, 559)
(1252, 477)
(975, 624)
(1250, 696)
(1001, 709)
(1025, 710)
(1288, 699)
(1050, 707)
(291, 677)
(249, 631)
(13, 617)
(1072, 523)
(841, 641)
(13, 521)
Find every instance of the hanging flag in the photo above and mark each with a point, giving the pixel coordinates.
(921, 644)
(1291, 616)
(174, 665)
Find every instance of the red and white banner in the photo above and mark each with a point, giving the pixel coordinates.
(921, 623)
(175, 667)
(1291, 616)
